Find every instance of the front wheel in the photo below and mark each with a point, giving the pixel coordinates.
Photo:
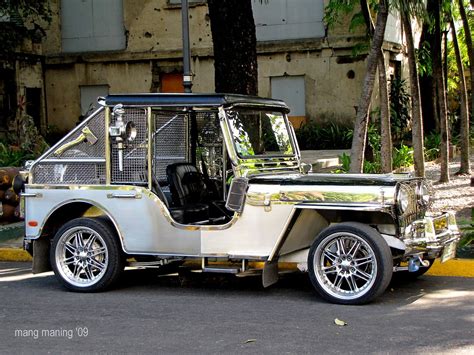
(350, 263)
(86, 255)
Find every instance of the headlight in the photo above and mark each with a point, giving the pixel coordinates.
(403, 199)
(423, 194)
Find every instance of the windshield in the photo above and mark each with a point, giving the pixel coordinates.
(259, 133)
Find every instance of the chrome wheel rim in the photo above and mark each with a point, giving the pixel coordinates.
(345, 265)
(81, 256)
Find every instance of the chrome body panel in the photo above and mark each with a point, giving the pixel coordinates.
(253, 234)
(285, 209)
(432, 234)
(140, 222)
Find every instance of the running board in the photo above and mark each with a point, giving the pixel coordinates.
(221, 270)
(224, 269)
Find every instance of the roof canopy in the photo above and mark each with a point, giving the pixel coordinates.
(192, 100)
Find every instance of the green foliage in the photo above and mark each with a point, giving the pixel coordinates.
(357, 20)
(402, 157)
(329, 136)
(432, 144)
(336, 9)
(27, 144)
(372, 167)
(424, 60)
(25, 19)
(466, 243)
(360, 48)
(399, 108)
(374, 140)
(13, 156)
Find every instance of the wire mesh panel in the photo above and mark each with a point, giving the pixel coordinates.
(170, 139)
(134, 167)
(70, 173)
(87, 147)
(70, 162)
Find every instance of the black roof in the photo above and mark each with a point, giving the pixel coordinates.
(196, 100)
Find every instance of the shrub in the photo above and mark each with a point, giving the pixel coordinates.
(399, 109)
(432, 144)
(13, 156)
(402, 157)
(328, 136)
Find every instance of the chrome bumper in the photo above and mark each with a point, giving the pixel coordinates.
(432, 234)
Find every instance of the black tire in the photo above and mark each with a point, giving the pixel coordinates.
(86, 255)
(354, 276)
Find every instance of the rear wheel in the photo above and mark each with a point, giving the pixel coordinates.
(350, 263)
(86, 255)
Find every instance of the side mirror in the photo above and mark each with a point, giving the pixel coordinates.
(237, 193)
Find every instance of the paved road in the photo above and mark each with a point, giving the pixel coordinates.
(211, 314)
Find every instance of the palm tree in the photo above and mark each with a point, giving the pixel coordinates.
(465, 163)
(417, 118)
(439, 82)
(362, 119)
(470, 50)
(385, 127)
(386, 145)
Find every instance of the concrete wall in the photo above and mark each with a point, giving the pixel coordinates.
(333, 77)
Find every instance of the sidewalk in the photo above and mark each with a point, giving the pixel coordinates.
(11, 242)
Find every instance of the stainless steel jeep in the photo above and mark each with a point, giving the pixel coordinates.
(157, 180)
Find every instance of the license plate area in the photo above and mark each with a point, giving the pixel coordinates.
(449, 251)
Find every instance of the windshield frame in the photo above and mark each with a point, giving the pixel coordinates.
(263, 109)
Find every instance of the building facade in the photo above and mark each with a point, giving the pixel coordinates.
(93, 48)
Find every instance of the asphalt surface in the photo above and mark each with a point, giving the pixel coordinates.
(200, 313)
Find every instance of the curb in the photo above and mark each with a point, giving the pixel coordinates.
(14, 254)
(453, 268)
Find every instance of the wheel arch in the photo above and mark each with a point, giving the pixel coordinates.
(306, 224)
(60, 215)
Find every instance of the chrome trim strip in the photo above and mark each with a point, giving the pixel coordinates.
(25, 194)
(72, 161)
(137, 196)
(81, 187)
(347, 206)
(227, 137)
(108, 153)
(150, 144)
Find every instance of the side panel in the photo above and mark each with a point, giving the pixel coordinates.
(140, 221)
(254, 234)
(306, 228)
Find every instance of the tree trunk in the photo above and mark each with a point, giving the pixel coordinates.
(470, 50)
(438, 75)
(362, 118)
(428, 97)
(417, 118)
(235, 46)
(385, 129)
(465, 164)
